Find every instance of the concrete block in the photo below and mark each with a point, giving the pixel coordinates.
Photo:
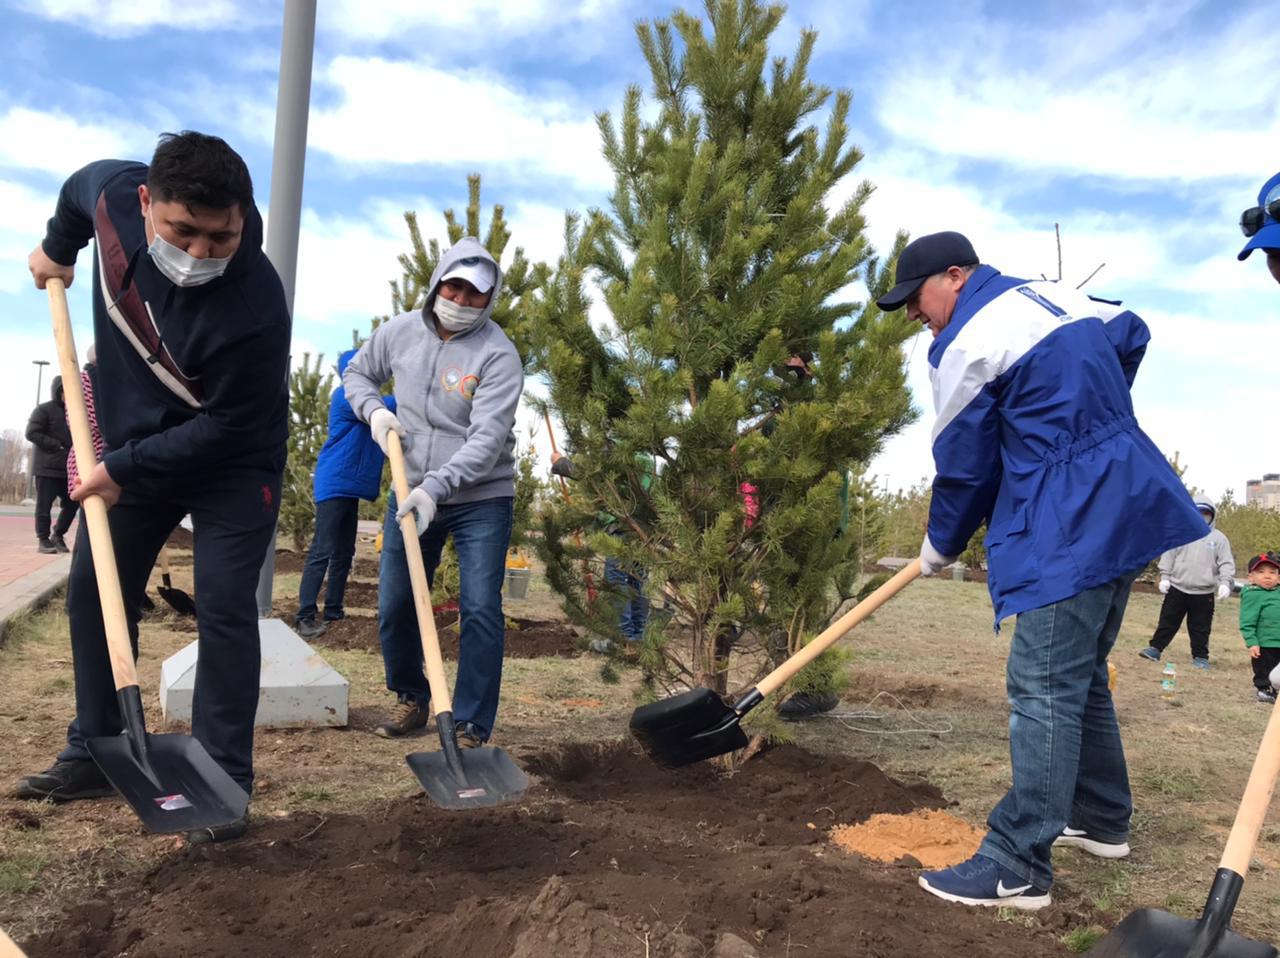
(298, 688)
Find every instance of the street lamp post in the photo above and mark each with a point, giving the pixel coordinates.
(31, 467)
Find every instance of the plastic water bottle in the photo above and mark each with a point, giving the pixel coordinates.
(1168, 681)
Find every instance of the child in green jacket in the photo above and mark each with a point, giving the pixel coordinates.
(1260, 621)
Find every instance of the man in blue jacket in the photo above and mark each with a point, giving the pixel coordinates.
(191, 393)
(1036, 436)
(348, 469)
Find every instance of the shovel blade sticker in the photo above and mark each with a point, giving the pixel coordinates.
(472, 792)
(171, 803)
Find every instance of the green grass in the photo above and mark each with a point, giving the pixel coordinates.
(1082, 939)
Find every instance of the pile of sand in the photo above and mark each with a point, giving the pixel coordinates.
(933, 838)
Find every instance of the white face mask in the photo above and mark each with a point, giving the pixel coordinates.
(456, 318)
(181, 268)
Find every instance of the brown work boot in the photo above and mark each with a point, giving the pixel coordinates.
(467, 736)
(408, 717)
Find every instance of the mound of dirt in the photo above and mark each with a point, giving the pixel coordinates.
(606, 855)
(526, 638)
(931, 837)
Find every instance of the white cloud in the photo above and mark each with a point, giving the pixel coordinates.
(398, 19)
(406, 113)
(115, 18)
(55, 143)
(1115, 96)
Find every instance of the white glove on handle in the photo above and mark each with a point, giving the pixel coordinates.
(1164, 586)
(1224, 589)
(931, 560)
(423, 506)
(382, 422)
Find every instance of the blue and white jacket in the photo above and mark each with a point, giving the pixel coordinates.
(1036, 433)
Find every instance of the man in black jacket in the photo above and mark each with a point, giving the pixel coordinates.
(192, 337)
(47, 431)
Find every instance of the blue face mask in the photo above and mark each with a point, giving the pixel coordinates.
(179, 266)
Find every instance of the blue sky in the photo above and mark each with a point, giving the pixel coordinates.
(1142, 129)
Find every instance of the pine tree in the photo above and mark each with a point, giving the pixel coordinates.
(735, 353)
(310, 392)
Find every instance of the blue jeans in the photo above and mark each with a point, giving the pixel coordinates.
(632, 606)
(481, 533)
(1064, 743)
(332, 548)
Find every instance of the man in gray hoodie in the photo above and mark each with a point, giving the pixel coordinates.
(1190, 577)
(458, 381)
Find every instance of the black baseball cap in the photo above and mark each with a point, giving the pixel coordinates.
(925, 257)
(1269, 558)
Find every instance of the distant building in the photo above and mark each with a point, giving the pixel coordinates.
(1264, 492)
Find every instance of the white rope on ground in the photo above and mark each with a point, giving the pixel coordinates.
(865, 714)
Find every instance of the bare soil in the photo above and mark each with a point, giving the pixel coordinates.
(607, 855)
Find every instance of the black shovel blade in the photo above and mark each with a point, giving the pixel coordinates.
(489, 777)
(688, 728)
(175, 787)
(1151, 933)
(177, 600)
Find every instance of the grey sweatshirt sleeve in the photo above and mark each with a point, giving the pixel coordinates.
(365, 375)
(493, 417)
(1226, 561)
(1166, 559)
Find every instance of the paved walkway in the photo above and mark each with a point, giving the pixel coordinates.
(27, 578)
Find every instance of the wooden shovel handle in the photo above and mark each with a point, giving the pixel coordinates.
(8, 949)
(163, 559)
(836, 630)
(95, 510)
(418, 580)
(1257, 798)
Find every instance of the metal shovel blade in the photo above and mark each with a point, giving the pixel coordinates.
(1151, 933)
(177, 600)
(688, 728)
(175, 786)
(489, 777)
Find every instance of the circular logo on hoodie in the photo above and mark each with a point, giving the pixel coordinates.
(454, 379)
(468, 386)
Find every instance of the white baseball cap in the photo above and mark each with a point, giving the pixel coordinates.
(476, 270)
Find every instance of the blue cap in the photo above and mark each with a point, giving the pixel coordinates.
(1269, 236)
(925, 257)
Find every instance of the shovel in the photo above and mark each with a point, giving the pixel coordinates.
(171, 782)
(178, 600)
(8, 949)
(452, 777)
(699, 724)
(1151, 933)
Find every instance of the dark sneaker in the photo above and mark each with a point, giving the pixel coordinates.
(309, 628)
(59, 543)
(220, 833)
(804, 705)
(1199, 663)
(984, 881)
(1150, 652)
(66, 781)
(408, 717)
(467, 736)
(1267, 695)
(1079, 838)
(46, 547)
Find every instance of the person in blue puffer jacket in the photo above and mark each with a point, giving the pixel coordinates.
(1036, 436)
(348, 469)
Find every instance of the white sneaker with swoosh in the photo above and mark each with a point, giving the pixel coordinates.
(984, 881)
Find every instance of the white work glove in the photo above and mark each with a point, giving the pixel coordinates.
(931, 560)
(1164, 586)
(423, 506)
(382, 422)
(1224, 590)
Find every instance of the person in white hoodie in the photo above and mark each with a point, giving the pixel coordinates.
(1191, 576)
(458, 380)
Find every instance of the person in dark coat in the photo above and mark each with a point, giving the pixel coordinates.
(47, 431)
